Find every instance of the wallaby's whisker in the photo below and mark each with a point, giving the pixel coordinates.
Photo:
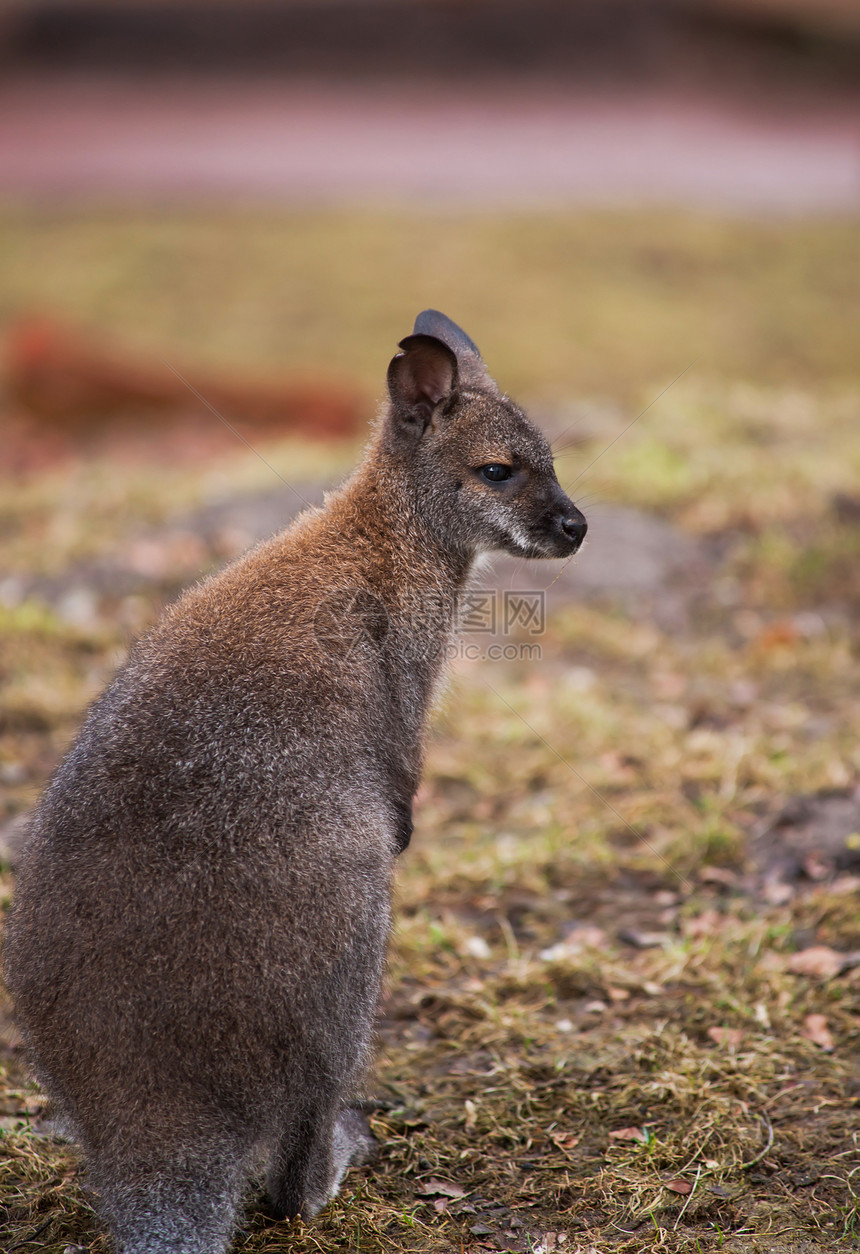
(631, 423)
(238, 434)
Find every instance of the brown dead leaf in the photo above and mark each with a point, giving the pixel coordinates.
(708, 923)
(440, 1205)
(718, 875)
(817, 866)
(678, 1186)
(821, 962)
(430, 1188)
(588, 936)
(730, 1037)
(549, 1242)
(845, 885)
(617, 994)
(629, 1134)
(779, 635)
(777, 893)
(815, 1029)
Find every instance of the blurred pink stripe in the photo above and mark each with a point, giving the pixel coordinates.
(306, 143)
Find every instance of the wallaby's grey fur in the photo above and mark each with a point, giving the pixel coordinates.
(198, 938)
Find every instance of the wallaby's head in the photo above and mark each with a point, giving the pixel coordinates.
(482, 472)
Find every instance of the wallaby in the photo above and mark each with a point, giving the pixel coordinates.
(199, 932)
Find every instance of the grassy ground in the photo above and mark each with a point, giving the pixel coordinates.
(587, 304)
(598, 1034)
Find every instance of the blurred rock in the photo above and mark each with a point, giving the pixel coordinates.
(813, 837)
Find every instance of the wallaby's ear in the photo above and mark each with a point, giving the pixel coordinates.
(470, 366)
(424, 374)
(432, 322)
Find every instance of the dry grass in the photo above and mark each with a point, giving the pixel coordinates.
(585, 944)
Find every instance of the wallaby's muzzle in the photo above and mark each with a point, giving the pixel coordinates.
(552, 527)
(566, 526)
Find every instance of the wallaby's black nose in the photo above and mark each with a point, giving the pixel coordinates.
(575, 527)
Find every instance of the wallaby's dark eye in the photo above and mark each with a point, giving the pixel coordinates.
(496, 472)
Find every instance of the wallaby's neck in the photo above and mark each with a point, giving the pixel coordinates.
(384, 515)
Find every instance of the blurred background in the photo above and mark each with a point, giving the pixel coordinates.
(216, 221)
(275, 185)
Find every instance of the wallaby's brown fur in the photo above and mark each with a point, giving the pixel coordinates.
(200, 926)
